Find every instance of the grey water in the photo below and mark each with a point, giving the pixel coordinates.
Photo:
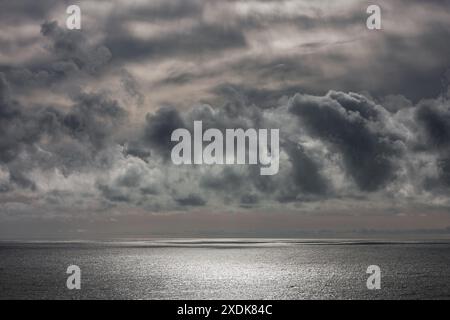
(225, 269)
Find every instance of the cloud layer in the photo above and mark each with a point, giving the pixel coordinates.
(86, 116)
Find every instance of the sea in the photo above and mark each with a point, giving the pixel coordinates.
(231, 269)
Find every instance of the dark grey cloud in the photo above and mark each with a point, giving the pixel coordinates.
(345, 122)
(263, 98)
(191, 200)
(247, 200)
(113, 194)
(93, 118)
(435, 120)
(159, 128)
(23, 11)
(17, 130)
(202, 40)
(355, 136)
(46, 138)
(304, 66)
(132, 87)
(74, 50)
(306, 176)
(226, 181)
(165, 10)
(407, 76)
(433, 117)
(72, 61)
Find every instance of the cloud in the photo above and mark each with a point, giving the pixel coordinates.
(93, 118)
(340, 145)
(44, 137)
(353, 125)
(17, 129)
(306, 174)
(202, 39)
(86, 116)
(74, 47)
(433, 117)
(159, 128)
(191, 200)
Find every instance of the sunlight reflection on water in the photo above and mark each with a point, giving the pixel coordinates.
(267, 270)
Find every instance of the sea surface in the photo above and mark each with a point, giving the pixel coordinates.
(225, 269)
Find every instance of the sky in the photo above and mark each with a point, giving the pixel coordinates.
(86, 118)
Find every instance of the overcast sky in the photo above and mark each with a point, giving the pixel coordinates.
(86, 117)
